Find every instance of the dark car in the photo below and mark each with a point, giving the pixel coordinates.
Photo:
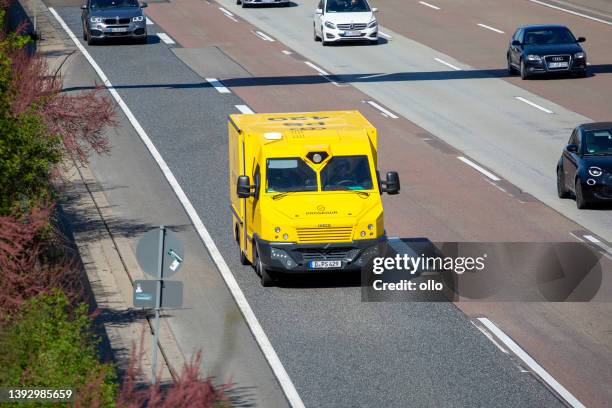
(103, 19)
(585, 167)
(546, 49)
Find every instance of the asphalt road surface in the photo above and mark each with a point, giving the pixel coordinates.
(338, 350)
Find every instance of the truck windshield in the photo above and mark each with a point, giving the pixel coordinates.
(288, 175)
(347, 173)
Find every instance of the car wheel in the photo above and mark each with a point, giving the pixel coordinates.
(524, 74)
(238, 2)
(264, 274)
(316, 37)
(511, 70)
(374, 42)
(583, 74)
(561, 190)
(90, 40)
(581, 203)
(84, 35)
(243, 259)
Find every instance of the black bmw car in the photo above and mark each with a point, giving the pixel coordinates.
(585, 167)
(546, 49)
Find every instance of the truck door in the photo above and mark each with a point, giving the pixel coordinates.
(251, 210)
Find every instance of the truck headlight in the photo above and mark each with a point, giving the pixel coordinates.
(534, 58)
(579, 55)
(138, 18)
(95, 19)
(330, 25)
(372, 24)
(595, 171)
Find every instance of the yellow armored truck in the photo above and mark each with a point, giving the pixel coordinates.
(305, 191)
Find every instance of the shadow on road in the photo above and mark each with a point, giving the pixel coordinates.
(370, 77)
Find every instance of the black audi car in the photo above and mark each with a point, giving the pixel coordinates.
(546, 49)
(585, 167)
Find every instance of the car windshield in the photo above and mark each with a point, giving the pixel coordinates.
(288, 175)
(555, 35)
(598, 142)
(347, 173)
(347, 6)
(102, 4)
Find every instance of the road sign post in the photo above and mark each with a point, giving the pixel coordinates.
(159, 253)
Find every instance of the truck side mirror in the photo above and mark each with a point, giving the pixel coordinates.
(243, 188)
(392, 184)
(571, 148)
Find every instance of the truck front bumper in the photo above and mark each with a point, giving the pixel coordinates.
(300, 258)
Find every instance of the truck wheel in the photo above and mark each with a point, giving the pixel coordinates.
(264, 275)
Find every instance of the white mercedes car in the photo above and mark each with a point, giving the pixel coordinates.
(345, 20)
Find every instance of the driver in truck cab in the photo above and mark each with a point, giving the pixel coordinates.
(305, 192)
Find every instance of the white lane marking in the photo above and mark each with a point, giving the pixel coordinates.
(491, 28)
(231, 18)
(215, 83)
(373, 76)
(385, 35)
(149, 21)
(531, 363)
(249, 316)
(490, 337)
(480, 169)
(323, 73)
(313, 66)
(429, 5)
(264, 36)
(227, 12)
(383, 110)
(448, 64)
(535, 105)
(571, 12)
(286, 52)
(244, 109)
(165, 38)
(598, 243)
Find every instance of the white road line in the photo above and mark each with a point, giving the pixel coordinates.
(490, 337)
(149, 21)
(313, 66)
(249, 316)
(491, 28)
(535, 105)
(531, 363)
(244, 109)
(571, 12)
(372, 76)
(383, 110)
(231, 18)
(286, 52)
(165, 38)
(598, 243)
(429, 5)
(385, 35)
(227, 12)
(448, 64)
(264, 36)
(217, 85)
(480, 169)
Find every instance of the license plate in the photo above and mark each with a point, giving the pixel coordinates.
(352, 33)
(324, 264)
(118, 29)
(558, 65)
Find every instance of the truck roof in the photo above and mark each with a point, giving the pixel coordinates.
(304, 126)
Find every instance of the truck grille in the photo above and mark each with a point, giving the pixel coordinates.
(337, 234)
(351, 26)
(331, 254)
(557, 58)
